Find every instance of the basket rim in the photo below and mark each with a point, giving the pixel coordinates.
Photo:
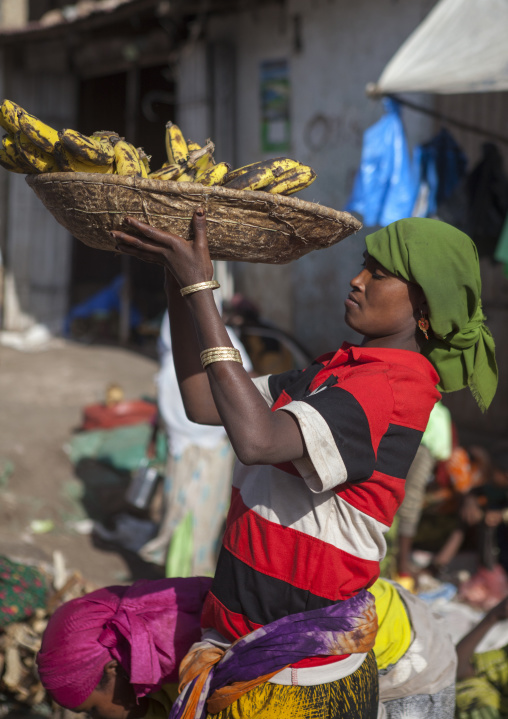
(195, 190)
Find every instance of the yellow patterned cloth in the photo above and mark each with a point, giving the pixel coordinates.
(354, 697)
(394, 628)
(485, 696)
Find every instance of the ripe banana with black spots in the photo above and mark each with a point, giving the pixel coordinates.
(277, 165)
(70, 163)
(127, 160)
(7, 163)
(255, 179)
(204, 162)
(41, 135)
(185, 177)
(214, 175)
(38, 159)
(176, 147)
(145, 162)
(292, 181)
(166, 172)
(186, 171)
(31, 146)
(113, 137)
(9, 116)
(12, 151)
(89, 150)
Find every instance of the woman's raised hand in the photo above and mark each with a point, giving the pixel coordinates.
(187, 260)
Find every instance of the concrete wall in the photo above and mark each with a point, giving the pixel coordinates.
(36, 249)
(341, 46)
(13, 13)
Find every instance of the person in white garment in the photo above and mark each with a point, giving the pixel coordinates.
(198, 478)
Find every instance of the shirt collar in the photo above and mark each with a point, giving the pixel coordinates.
(415, 360)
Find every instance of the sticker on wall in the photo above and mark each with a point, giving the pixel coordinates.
(275, 122)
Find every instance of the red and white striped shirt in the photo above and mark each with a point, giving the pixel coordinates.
(309, 533)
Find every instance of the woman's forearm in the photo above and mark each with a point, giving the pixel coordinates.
(467, 645)
(257, 434)
(192, 379)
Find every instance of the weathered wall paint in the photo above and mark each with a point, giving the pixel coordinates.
(334, 48)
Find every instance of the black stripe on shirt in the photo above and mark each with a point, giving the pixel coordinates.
(296, 382)
(262, 599)
(397, 450)
(350, 428)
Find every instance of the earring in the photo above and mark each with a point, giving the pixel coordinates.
(423, 324)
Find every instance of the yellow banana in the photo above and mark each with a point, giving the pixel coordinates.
(254, 179)
(89, 150)
(145, 162)
(292, 181)
(198, 159)
(168, 172)
(9, 145)
(278, 165)
(185, 177)
(112, 137)
(69, 163)
(176, 147)
(40, 160)
(13, 153)
(205, 162)
(8, 163)
(63, 158)
(127, 160)
(41, 135)
(214, 175)
(9, 114)
(186, 171)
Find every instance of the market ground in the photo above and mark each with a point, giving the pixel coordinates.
(42, 396)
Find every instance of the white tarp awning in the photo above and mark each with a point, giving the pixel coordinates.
(461, 46)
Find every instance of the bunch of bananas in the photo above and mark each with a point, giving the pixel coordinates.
(281, 175)
(32, 147)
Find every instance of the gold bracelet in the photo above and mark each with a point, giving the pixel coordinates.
(218, 350)
(220, 354)
(209, 285)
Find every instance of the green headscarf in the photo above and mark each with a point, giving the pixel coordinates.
(444, 262)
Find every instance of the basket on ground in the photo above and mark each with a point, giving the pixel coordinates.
(242, 225)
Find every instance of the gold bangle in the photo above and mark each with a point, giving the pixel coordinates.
(209, 285)
(218, 350)
(220, 354)
(226, 353)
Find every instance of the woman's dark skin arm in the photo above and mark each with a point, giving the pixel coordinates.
(467, 645)
(223, 393)
(193, 380)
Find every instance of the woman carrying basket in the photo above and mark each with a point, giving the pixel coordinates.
(323, 454)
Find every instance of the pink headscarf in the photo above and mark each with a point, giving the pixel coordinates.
(148, 627)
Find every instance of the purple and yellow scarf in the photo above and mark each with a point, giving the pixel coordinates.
(212, 679)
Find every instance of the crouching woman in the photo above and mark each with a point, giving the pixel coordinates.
(115, 652)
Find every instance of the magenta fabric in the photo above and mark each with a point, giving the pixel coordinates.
(148, 627)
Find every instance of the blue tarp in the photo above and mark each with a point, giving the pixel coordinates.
(107, 300)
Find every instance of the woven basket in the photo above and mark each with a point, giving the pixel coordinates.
(242, 225)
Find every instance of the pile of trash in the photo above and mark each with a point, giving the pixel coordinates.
(29, 594)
